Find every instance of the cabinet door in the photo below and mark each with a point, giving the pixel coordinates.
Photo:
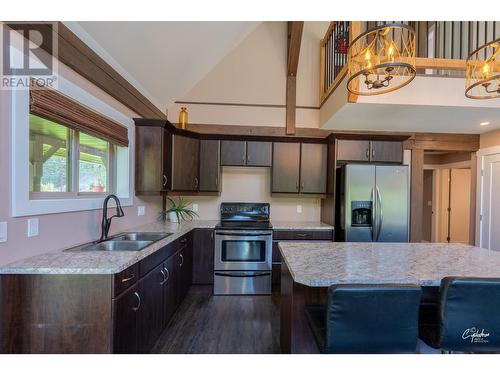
(150, 171)
(353, 150)
(209, 165)
(259, 154)
(313, 168)
(125, 312)
(286, 166)
(233, 153)
(203, 256)
(387, 151)
(151, 319)
(185, 163)
(170, 295)
(186, 264)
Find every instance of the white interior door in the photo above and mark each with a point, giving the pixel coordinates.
(490, 203)
(459, 205)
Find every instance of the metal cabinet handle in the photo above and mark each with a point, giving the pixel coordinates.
(182, 260)
(183, 240)
(297, 185)
(373, 153)
(138, 302)
(164, 180)
(302, 187)
(368, 153)
(128, 278)
(196, 183)
(168, 273)
(301, 235)
(164, 277)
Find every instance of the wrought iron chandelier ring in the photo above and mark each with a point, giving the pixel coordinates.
(379, 55)
(482, 69)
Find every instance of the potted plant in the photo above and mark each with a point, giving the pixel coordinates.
(179, 210)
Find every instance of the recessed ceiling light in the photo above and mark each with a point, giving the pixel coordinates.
(484, 123)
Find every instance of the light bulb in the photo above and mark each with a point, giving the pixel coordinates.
(486, 70)
(390, 52)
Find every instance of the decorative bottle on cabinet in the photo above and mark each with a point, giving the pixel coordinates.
(183, 118)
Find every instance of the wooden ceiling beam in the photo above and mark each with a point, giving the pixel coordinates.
(294, 40)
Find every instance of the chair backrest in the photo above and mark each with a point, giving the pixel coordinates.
(372, 318)
(469, 311)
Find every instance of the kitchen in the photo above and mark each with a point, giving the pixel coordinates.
(233, 221)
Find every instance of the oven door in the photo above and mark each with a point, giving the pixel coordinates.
(243, 250)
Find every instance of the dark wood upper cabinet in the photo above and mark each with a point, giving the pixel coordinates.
(259, 154)
(151, 165)
(209, 166)
(286, 168)
(387, 151)
(313, 168)
(185, 163)
(125, 312)
(233, 153)
(369, 151)
(353, 150)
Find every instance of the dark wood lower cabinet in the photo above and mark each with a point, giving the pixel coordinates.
(150, 315)
(203, 256)
(95, 313)
(125, 318)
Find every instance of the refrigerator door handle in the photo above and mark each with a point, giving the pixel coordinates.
(373, 227)
(381, 214)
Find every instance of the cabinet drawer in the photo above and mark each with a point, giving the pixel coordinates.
(151, 261)
(125, 279)
(306, 235)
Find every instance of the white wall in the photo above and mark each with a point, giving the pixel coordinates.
(254, 73)
(254, 185)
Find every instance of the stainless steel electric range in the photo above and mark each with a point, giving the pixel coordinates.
(243, 249)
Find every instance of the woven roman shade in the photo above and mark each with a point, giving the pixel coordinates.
(54, 106)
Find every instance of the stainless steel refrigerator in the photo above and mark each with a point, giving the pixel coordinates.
(374, 203)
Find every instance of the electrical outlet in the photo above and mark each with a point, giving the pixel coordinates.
(3, 231)
(141, 210)
(195, 207)
(33, 227)
(299, 209)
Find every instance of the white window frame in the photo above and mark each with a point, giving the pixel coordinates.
(21, 204)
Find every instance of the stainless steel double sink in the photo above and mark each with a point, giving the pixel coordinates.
(135, 241)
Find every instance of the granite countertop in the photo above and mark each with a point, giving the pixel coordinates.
(110, 262)
(101, 262)
(327, 263)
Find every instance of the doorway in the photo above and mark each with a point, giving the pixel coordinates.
(447, 197)
(489, 202)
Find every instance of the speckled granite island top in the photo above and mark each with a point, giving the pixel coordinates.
(327, 263)
(109, 262)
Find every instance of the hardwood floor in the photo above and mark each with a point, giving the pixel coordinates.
(222, 325)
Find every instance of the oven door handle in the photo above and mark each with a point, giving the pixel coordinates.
(244, 234)
(242, 275)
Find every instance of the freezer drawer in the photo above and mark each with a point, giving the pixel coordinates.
(242, 282)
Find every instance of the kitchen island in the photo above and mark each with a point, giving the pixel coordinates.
(309, 268)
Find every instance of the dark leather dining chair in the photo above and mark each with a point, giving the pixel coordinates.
(467, 317)
(367, 319)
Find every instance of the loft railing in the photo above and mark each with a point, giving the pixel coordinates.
(333, 56)
(441, 47)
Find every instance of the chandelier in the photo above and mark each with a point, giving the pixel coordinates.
(483, 72)
(381, 60)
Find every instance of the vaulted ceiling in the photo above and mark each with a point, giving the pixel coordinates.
(163, 60)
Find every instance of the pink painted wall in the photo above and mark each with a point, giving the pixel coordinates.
(57, 231)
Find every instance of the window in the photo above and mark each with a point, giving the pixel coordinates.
(53, 151)
(69, 149)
